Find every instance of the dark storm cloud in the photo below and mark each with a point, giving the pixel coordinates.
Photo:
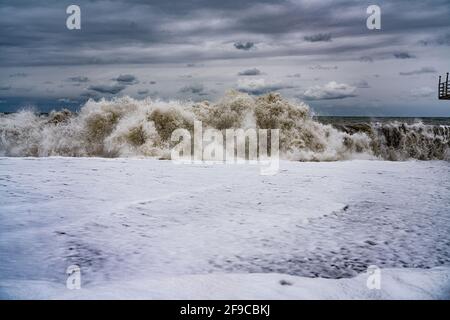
(321, 67)
(144, 91)
(344, 18)
(126, 79)
(403, 55)
(244, 45)
(250, 72)
(5, 88)
(195, 89)
(418, 71)
(89, 95)
(284, 36)
(78, 79)
(362, 84)
(366, 59)
(319, 37)
(108, 89)
(179, 29)
(194, 65)
(443, 40)
(18, 75)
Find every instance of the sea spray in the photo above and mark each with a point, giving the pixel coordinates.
(126, 127)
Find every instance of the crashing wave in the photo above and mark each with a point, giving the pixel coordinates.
(125, 127)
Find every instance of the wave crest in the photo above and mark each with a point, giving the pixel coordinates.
(125, 127)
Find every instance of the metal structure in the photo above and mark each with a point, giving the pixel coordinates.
(444, 89)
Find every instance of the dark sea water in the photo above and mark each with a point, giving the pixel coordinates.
(338, 120)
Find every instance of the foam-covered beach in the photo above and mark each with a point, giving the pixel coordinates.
(144, 228)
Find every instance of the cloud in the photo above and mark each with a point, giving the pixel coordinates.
(89, 95)
(443, 40)
(362, 84)
(330, 91)
(120, 33)
(244, 45)
(422, 92)
(144, 91)
(109, 89)
(321, 67)
(18, 75)
(250, 72)
(319, 37)
(260, 86)
(266, 34)
(295, 75)
(366, 59)
(193, 65)
(419, 71)
(5, 88)
(78, 79)
(403, 55)
(126, 79)
(194, 89)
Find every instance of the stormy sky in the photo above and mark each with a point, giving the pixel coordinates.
(320, 52)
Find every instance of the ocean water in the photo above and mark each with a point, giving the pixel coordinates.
(342, 120)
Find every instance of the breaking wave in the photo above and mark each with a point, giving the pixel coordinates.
(125, 127)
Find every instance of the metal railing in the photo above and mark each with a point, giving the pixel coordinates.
(444, 89)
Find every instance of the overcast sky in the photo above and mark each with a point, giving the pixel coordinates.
(320, 52)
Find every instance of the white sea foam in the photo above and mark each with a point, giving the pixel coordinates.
(144, 228)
